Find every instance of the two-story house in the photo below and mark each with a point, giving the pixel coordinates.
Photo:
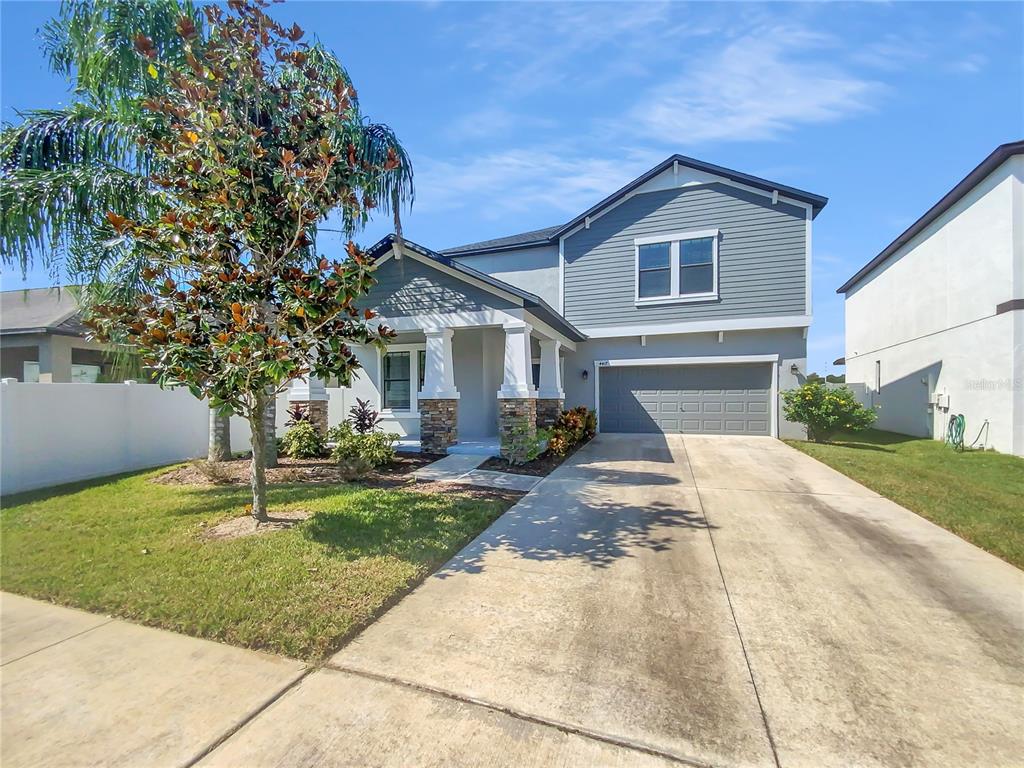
(679, 304)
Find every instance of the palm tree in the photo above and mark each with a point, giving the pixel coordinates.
(63, 170)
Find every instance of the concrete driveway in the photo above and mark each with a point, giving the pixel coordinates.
(724, 601)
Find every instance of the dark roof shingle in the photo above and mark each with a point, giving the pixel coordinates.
(533, 237)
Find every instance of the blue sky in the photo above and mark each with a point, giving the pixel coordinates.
(520, 115)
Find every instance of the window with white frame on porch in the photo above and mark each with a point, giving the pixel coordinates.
(400, 370)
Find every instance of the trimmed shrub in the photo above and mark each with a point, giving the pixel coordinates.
(372, 448)
(572, 428)
(826, 411)
(303, 441)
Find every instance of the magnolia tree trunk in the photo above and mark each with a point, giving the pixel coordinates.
(270, 430)
(220, 437)
(258, 467)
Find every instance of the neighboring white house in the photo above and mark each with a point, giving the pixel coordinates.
(935, 322)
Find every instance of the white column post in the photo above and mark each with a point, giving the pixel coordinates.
(439, 376)
(550, 370)
(518, 381)
(307, 389)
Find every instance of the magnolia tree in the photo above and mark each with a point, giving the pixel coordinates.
(259, 139)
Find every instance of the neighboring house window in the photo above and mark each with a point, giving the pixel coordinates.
(85, 374)
(678, 267)
(397, 392)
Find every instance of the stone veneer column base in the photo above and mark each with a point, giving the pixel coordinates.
(548, 411)
(439, 425)
(317, 410)
(517, 425)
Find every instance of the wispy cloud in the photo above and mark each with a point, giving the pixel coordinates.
(493, 122)
(537, 44)
(758, 87)
(971, 64)
(522, 180)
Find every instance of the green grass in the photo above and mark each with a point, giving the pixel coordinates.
(299, 592)
(977, 495)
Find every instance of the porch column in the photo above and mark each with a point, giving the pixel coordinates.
(312, 393)
(439, 399)
(517, 398)
(550, 398)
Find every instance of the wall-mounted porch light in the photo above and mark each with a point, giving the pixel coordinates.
(586, 374)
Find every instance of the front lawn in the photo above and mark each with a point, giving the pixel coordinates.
(134, 548)
(977, 495)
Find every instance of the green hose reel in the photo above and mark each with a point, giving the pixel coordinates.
(955, 431)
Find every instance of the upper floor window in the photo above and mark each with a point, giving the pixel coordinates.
(677, 267)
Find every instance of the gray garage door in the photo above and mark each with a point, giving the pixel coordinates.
(722, 399)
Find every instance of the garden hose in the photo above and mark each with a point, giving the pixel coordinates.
(955, 432)
(984, 429)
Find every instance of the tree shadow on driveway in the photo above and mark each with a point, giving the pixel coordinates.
(597, 533)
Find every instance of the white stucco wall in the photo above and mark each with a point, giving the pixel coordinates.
(533, 269)
(928, 318)
(60, 433)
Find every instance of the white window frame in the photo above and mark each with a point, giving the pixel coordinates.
(674, 297)
(414, 379)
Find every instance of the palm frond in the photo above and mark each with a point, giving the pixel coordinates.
(93, 42)
(395, 187)
(42, 212)
(49, 139)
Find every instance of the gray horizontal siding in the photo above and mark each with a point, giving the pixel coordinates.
(761, 269)
(409, 287)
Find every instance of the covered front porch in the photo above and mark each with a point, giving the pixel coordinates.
(463, 387)
(476, 362)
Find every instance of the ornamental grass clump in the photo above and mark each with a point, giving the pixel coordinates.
(826, 411)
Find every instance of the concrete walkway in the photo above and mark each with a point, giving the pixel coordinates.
(77, 689)
(463, 468)
(655, 601)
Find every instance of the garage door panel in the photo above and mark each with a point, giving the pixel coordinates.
(724, 399)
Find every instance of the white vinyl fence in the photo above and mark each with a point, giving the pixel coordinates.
(59, 433)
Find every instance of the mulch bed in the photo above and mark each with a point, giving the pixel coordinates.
(542, 466)
(323, 472)
(289, 470)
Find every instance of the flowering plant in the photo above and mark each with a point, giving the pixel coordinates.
(826, 411)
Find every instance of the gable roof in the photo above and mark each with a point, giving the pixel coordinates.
(529, 239)
(550, 235)
(531, 301)
(999, 155)
(40, 310)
